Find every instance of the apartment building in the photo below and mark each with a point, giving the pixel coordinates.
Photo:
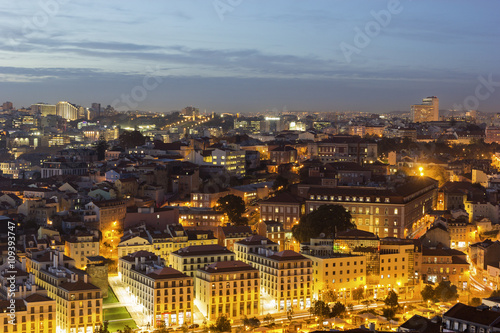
(78, 302)
(229, 235)
(191, 258)
(284, 207)
(397, 263)
(275, 232)
(344, 149)
(340, 272)
(283, 155)
(165, 293)
(466, 318)
(200, 218)
(389, 212)
(81, 246)
(230, 288)
(285, 276)
(207, 200)
(438, 264)
(35, 313)
(162, 243)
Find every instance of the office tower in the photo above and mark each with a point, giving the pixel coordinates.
(7, 106)
(97, 109)
(427, 111)
(43, 109)
(67, 110)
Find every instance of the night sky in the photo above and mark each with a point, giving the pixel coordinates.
(251, 55)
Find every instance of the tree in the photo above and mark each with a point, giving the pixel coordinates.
(222, 324)
(392, 299)
(475, 301)
(102, 328)
(328, 295)
(234, 207)
(131, 139)
(280, 183)
(251, 322)
(289, 314)
(389, 313)
(358, 293)
(338, 310)
(269, 319)
(327, 219)
(101, 146)
(320, 309)
(427, 293)
(445, 291)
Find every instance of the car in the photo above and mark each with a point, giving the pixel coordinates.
(194, 325)
(170, 329)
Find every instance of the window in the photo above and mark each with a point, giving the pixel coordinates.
(395, 211)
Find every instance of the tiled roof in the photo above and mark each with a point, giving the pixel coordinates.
(197, 250)
(256, 240)
(77, 286)
(287, 255)
(472, 314)
(284, 198)
(228, 266)
(166, 273)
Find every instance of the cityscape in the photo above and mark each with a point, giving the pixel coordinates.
(179, 169)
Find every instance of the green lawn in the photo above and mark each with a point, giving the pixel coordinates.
(111, 297)
(116, 313)
(120, 325)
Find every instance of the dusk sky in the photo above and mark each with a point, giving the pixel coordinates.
(250, 55)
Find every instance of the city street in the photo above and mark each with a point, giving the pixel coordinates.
(135, 310)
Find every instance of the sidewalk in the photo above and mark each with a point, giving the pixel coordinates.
(126, 300)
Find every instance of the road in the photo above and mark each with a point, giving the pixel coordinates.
(135, 310)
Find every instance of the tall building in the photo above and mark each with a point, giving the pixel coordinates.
(427, 111)
(43, 109)
(7, 106)
(97, 108)
(67, 110)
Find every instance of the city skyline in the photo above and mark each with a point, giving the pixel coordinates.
(246, 56)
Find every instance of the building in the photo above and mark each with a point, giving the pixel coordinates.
(67, 110)
(191, 258)
(285, 276)
(81, 246)
(275, 232)
(110, 216)
(230, 288)
(229, 235)
(284, 207)
(206, 200)
(440, 264)
(78, 302)
(62, 168)
(200, 218)
(466, 318)
(387, 212)
(43, 109)
(283, 155)
(339, 272)
(344, 149)
(165, 293)
(492, 134)
(427, 111)
(35, 313)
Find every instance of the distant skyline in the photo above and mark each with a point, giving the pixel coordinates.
(251, 55)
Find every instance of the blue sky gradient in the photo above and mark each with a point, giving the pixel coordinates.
(253, 56)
